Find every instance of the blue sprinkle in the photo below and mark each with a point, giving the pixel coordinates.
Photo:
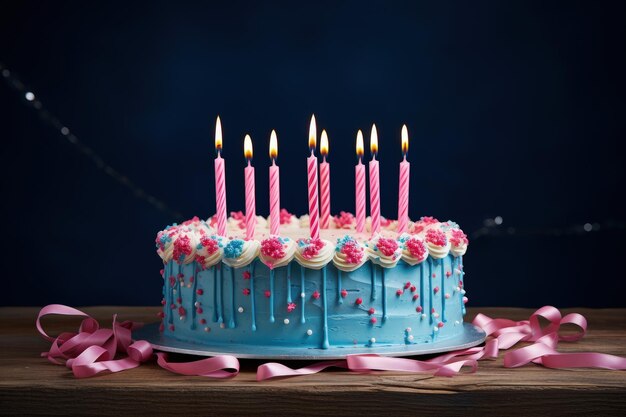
(199, 246)
(233, 249)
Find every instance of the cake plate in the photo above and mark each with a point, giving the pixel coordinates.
(470, 337)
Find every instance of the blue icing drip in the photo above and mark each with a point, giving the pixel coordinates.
(220, 318)
(325, 343)
(373, 277)
(289, 283)
(443, 292)
(339, 285)
(170, 314)
(432, 293)
(421, 294)
(252, 303)
(231, 322)
(302, 271)
(215, 317)
(272, 319)
(194, 296)
(233, 249)
(382, 277)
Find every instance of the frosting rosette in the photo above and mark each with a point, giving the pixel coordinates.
(349, 254)
(184, 245)
(236, 222)
(287, 220)
(305, 221)
(344, 220)
(164, 242)
(210, 250)
(384, 251)
(277, 251)
(414, 250)
(437, 243)
(458, 241)
(314, 253)
(423, 225)
(239, 253)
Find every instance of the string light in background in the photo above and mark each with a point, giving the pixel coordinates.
(492, 227)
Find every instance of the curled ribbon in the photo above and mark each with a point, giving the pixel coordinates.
(504, 335)
(94, 350)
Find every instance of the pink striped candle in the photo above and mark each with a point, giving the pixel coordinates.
(220, 182)
(374, 183)
(324, 183)
(274, 187)
(250, 189)
(314, 225)
(403, 192)
(359, 181)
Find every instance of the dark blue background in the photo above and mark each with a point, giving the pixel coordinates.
(514, 109)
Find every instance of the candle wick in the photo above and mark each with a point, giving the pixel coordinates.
(273, 161)
(248, 159)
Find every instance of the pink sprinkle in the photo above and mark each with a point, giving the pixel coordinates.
(315, 295)
(447, 296)
(344, 220)
(209, 244)
(344, 293)
(202, 321)
(173, 306)
(172, 327)
(465, 300)
(432, 310)
(434, 275)
(312, 247)
(358, 301)
(199, 291)
(199, 310)
(163, 302)
(160, 314)
(407, 285)
(417, 228)
(436, 290)
(182, 311)
(267, 293)
(413, 288)
(461, 284)
(458, 238)
(285, 216)
(240, 217)
(291, 307)
(373, 320)
(181, 275)
(162, 271)
(399, 293)
(387, 246)
(371, 311)
(272, 247)
(246, 274)
(418, 309)
(246, 291)
(182, 248)
(172, 281)
(416, 247)
(440, 324)
(448, 273)
(179, 300)
(195, 219)
(415, 297)
(353, 252)
(161, 327)
(429, 220)
(436, 237)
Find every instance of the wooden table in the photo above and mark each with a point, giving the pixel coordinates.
(32, 386)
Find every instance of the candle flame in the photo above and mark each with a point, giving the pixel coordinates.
(247, 147)
(312, 133)
(374, 140)
(324, 143)
(359, 143)
(218, 134)
(273, 145)
(405, 140)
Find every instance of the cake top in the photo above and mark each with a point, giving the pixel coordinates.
(197, 240)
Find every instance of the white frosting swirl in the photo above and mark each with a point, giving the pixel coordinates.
(184, 233)
(320, 259)
(378, 257)
(289, 248)
(249, 251)
(458, 241)
(436, 248)
(409, 257)
(207, 259)
(341, 262)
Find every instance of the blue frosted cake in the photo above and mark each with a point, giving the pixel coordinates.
(345, 289)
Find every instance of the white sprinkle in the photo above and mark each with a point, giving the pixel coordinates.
(65, 131)
(286, 321)
(463, 292)
(436, 315)
(302, 295)
(408, 330)
(206, 329)
(457, 288)
(373, 340)
(447, 296)
(588, 227)
(309, 332)
(457, 271)
(222, 326)
(423, 315)
(456, 323)
(181, 318)
(410, 337)
(197, 303)
(240, 309)
(29, 96)
(498, 220)
(435, 329)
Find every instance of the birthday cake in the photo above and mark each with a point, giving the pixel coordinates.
(309, 282)
(343, 289)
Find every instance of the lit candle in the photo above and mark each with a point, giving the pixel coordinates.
(220, 181)
(374, 183)
(314, 225)
(250, 189)
(324, 183)
(403, 192)
(274, 186)
(359, 181)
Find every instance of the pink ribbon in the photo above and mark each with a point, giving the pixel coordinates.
(504, 334)
(93, 350)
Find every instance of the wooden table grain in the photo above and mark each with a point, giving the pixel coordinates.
(29, 385)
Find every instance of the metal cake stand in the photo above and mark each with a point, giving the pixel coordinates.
(470, 337)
